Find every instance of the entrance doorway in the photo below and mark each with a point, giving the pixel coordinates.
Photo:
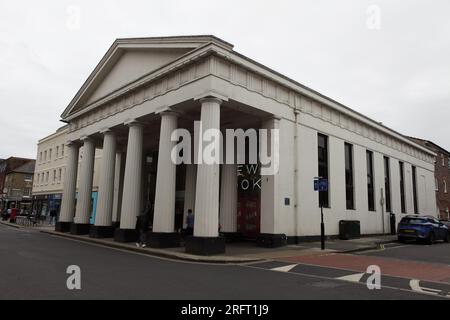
(249, 201)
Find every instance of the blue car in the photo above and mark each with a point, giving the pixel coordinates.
(422, 228)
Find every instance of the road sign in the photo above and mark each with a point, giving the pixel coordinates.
(321, 185)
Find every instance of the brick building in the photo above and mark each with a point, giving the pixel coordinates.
(7, 166)
(442, 177)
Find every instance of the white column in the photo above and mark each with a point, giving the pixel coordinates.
(118, 186)
(189, 191)
(70, 184)
(270, 188)
(106, 187)
(206, 215)
(133, 174)
(164, 216)
(83, 211)
(228, 198)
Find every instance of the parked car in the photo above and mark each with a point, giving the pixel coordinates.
(422, 228)
(447, 223)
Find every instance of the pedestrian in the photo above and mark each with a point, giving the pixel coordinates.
(52, 216)
(142, 229)
(190, 223)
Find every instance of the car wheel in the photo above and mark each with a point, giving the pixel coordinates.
(431, 238)
(447, 237)
(401, 240)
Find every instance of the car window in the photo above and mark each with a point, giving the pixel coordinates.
(413, 220)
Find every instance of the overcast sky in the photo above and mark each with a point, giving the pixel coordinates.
(387, 59)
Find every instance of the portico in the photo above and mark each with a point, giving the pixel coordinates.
(146, 88)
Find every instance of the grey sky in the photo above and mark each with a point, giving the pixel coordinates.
(398, 74)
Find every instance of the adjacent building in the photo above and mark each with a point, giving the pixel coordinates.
(18, 186)
(145, 88)
(442, 177)
(50, 172)
(15, 182)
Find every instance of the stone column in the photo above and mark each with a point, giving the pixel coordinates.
(206, 240)
(131, 199)
(83, 212)
(189, 191)
(270, 197)
(228, 201)
(70, 185)
(102, 227)
(119, 172)
(163, 235)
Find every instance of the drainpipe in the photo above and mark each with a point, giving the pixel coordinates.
(296, 178)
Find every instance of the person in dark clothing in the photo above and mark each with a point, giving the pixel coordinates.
(190, 223)
(142, 230)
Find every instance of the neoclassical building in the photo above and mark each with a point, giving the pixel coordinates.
(145, 88)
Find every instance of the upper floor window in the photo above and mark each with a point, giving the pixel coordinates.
(349, 181)
(57, 151)
(370, 181)
(50, 155)
(323, 167)
(62, 150)
(443, 160)
(445, 186)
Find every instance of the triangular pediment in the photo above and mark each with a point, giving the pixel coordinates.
(129, 60)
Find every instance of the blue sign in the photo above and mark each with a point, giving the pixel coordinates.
(321, 185)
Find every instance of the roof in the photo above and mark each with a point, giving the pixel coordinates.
(197, 43)
(430, 145)
(27, 168)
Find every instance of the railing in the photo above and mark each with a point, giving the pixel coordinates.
(29, 221)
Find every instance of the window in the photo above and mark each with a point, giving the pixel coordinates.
(62, 151)
(47, 176)
(50, 155)
(387, 184)
(323, 167)
(436, 184)
(402, 187)
(45, 155)
(54, 176)
(443, 160)
(414, 182)
(370, 181)
(57, 151)
(60, 175)
(349, 181)
(445, 186)
(40, 156)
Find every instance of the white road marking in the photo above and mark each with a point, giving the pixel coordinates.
(352, 278)
(285, 268)
(415, 285)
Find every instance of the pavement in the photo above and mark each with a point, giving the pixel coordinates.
(35, 266)
(244, 252)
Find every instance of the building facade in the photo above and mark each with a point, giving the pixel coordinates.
(442, 177)
(7, 167)
(143, 89)
(50, 172)
(18, 186)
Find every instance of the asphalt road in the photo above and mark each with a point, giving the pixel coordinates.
(33, 266)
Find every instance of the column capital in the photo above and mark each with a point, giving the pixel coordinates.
(211, 95)
(133, 123)
(86, 138)
(105, 131)
(211, 99)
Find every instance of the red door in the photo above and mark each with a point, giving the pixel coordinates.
(249, 217)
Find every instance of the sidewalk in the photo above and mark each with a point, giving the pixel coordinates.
(243, 252)
(42, 227)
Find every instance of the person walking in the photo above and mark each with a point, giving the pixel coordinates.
(142, 230)
(52, 217)
(190, 223)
